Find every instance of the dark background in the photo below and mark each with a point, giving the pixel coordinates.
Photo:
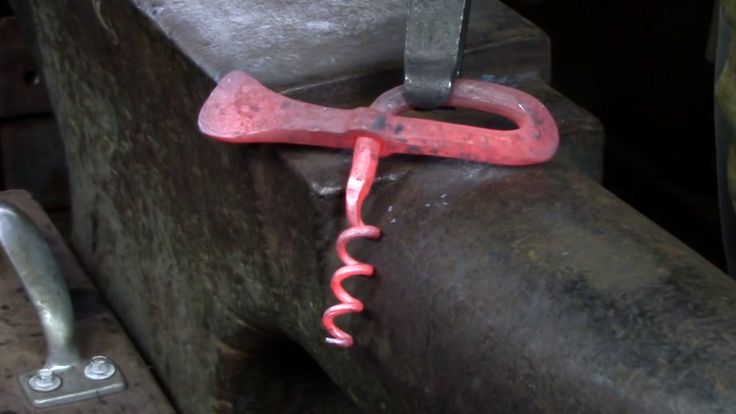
(645, 69)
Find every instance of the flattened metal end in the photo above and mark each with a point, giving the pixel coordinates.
(236, 106)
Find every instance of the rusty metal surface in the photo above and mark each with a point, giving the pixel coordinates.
(310, 42)
(540, 292)
(22, 345)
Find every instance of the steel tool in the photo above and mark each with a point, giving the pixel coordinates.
(433, 52)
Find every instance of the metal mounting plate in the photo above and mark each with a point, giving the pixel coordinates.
(74, 387)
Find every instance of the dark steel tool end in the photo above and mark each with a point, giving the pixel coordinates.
(435, 39)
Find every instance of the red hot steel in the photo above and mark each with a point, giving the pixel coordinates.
(241, 110)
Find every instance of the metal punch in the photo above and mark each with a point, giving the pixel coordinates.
(435, 41)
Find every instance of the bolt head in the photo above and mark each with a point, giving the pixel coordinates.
(44, 381)
(99, 368)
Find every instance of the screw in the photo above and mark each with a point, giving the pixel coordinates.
(99, 368)
(44, 381)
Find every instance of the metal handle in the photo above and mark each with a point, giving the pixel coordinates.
(65, 376)
(44, 283)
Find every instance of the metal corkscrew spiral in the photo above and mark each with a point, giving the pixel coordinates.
(241, 110)
(362, 174)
